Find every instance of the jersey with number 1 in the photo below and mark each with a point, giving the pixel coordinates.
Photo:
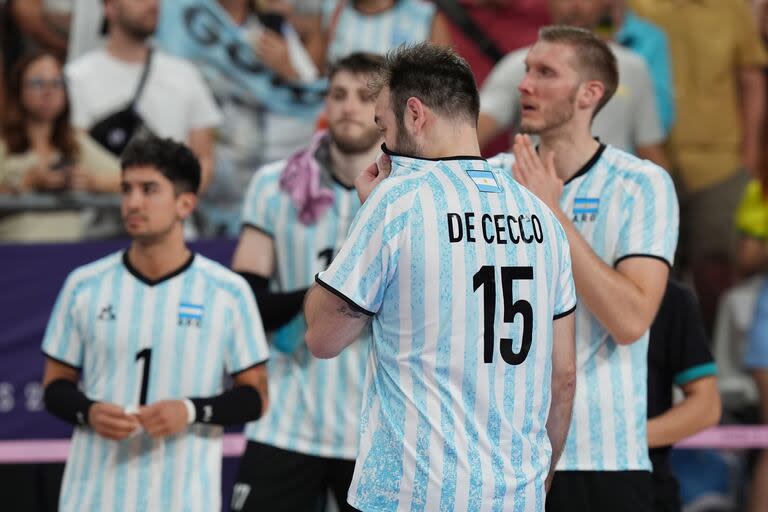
(136, 342)
(463, 271)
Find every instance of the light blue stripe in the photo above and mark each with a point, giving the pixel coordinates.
(202, 388)
(696, 372)
(132, 390)
(580, 211)
(109, 394)
(468, 387)
(90, 438)
(639, 352)
(169, 459)
(417, 314)
(443, 347)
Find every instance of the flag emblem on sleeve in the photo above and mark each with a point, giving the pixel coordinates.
(485, 180)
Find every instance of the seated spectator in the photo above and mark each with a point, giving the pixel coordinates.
(650, 42)
(678, 356)
(629, 121)
(752, 223)
(174, 101)
(377, 26)
(41, 152)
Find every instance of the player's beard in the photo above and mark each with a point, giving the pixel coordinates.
(355, 145)
(557, 115)
(405, 144)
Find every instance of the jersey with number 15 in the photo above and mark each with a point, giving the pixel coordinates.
(464, 272)
(136, 342)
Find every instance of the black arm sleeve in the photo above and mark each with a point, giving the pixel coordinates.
(65, 401)
(233, 407)
(277, 309)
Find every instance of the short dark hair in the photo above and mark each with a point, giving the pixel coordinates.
(434, 74)
(595, 60)
(172, 159)
(357, 63)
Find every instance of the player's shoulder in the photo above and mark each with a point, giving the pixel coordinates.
(91, 273)
(632, 170)
(265, 182)
(221, 276)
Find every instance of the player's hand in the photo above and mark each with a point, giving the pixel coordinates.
(372, 176)
(164, 418)
(536, 175)
(111, 421)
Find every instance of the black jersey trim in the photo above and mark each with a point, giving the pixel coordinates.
(352, 304)
(589, 165)
(640, 255)
(564, 313)
(257, 228)
(61, 361)
(152, 282)
(389, 152)
(254, 365)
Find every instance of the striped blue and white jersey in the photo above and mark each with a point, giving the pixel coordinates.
(463, 271)
(319, 399)
(408, 21)
(623, 207)
(165, 339)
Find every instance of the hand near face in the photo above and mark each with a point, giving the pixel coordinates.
(536, 175)
(372, 176)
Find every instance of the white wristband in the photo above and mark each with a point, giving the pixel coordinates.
(191, 414)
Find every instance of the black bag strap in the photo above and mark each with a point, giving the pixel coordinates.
(142, 80)
(459, 16)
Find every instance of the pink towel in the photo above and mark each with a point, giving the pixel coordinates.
(301, 180)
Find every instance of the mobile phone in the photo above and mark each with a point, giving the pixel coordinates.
(272, 21)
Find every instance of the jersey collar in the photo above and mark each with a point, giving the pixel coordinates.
(589, 165)
(152, 282)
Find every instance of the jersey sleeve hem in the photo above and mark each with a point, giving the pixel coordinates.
(641, 255)
(354, 305)
(62, 361)
(254, 365)
(259, 229)
(565, 313)
(696, 372)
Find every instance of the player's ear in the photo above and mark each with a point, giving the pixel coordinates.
(590, 93)
(186, 202)
(415, 114)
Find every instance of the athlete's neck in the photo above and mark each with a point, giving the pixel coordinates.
(154, 259)
(373, 7)
(450, 138)
(572, 151)
(346, 167)
(126, 48)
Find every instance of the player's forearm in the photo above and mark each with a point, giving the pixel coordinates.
(618, 303)
(752, 114)
(332, 324)
(559, 420)
(277, 309)
(236, 406)
(66, 402)
(694, 414)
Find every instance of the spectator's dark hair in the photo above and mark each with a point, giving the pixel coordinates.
(172, 159)
(436, 75)
(595, 60)
(14, 126)
(358, 63)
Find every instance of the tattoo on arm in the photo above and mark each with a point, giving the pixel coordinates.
(346, 311)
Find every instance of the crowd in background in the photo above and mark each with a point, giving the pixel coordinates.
(241, 82)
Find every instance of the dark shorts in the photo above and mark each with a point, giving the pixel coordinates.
(276, 480)
(666, 493)
(601, 491)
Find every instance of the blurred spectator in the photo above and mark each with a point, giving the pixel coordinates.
(650, 42)
(678, 356)
(629, 121)
(715, 143)
(41, 152)
(378, 26)
(752, 223)
(87, 30)
(174, 102)
(43, 23)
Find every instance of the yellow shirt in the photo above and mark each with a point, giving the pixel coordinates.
(752, 215)
(710, 42)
